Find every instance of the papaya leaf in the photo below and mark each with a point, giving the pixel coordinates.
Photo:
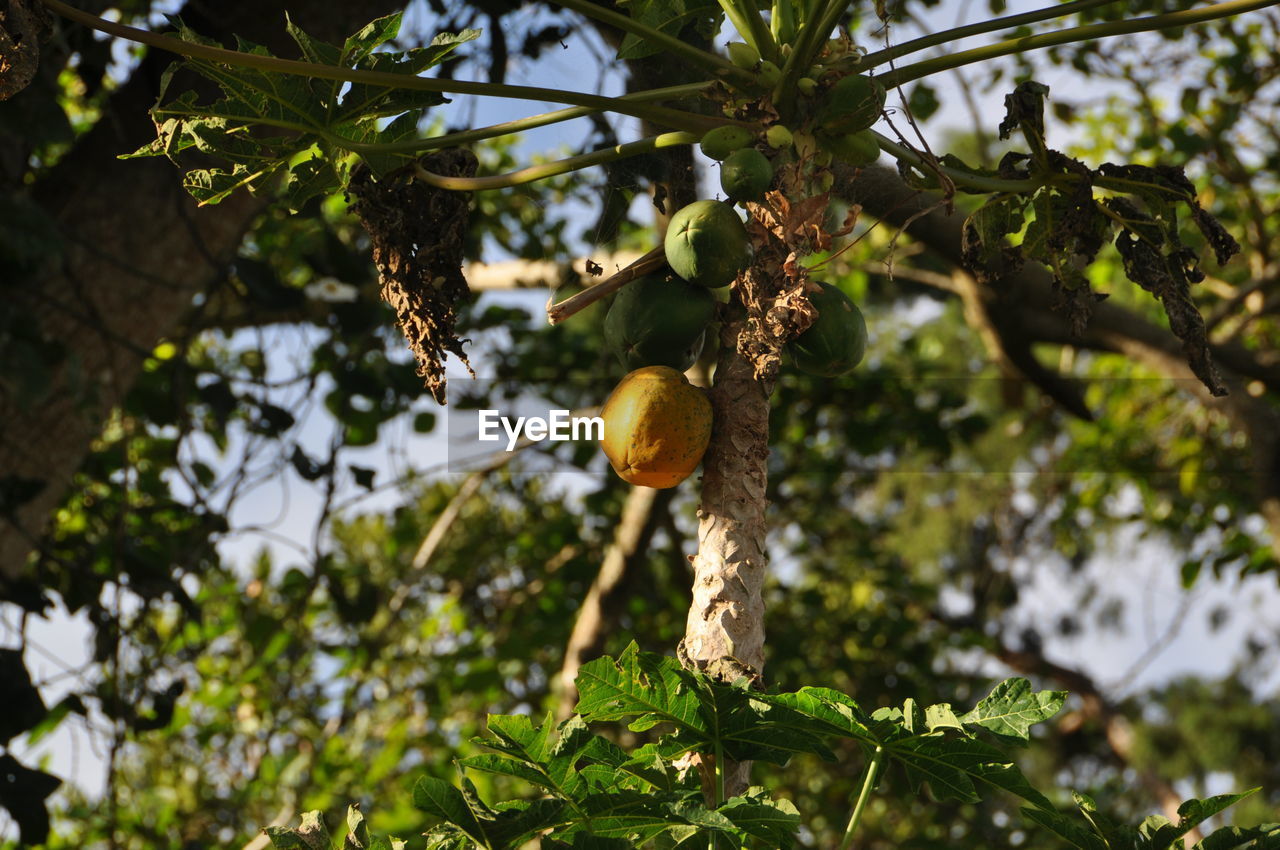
(650, 688)
(1012, 708)
(1191, 814)
(1262, 837)
(528, 752)
(1166, 277)
(1010, 778)
(1024, 110)
(1065, 827)
(322, 122)
(440, 799)
(670, 17)
(311, 834)
(827, 712)
(774, 822)
(948, 765)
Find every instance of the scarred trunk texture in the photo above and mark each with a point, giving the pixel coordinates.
(137, 249)
(726, 617)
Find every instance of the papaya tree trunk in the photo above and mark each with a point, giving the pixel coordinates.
(726, 616)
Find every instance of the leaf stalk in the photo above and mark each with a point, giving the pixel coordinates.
(662, 116)
(552, 169)
(1087, 32)
(868, 784)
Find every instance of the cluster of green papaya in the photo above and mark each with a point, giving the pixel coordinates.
(656, 425)
(662, 319)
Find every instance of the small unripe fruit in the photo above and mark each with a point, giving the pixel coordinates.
(743, 55)
(745, 175)
(707, 244)
(769, 73)
(807, 86)
(722, 141)
(858, 149)
(778, 136)
(853, 103)
(804, 143)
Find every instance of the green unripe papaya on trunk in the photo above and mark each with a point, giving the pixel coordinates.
(722, 141)
(658, 320)
(745, 175)
(858, 149)
(854, 103)
(707, 244)
(836, 340)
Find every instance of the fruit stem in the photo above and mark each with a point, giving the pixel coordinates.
(717, 66)
(658, 114)
(879, 57)
(551, 169)
(1088, 32)
(868, 783)
(750, 26)
(650, 262)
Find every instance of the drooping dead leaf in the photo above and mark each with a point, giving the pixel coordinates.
(418, 233)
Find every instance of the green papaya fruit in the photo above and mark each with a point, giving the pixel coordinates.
(858, 149)
(836, 340)
(722, 141)
(853, 103)
(745, 175)
(658, 320)
(707, 244)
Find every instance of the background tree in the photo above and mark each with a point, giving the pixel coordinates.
(144, 508)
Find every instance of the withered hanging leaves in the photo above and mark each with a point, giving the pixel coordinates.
(23, 26)
(1024, 109)
(1223, 243)
(1166, 184)
(418, 233)
(1165, 276)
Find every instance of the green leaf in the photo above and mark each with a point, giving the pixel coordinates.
(324, 121)
(1191, 814)
(440, 799)
(948, 765)
(651, 688)
(1012, 708)
(1262, 837)
(310, 834)
(1066, 828)
(774, 822)
(1010, 778)
(829, 712)
(357, 837)
(941, 716)
(983, 242)
(671, 17)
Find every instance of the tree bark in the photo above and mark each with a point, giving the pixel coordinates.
(137, 250)
(726, 615)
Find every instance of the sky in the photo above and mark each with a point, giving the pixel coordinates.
(1164, 615)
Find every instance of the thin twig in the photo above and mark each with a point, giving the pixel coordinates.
(650, 262)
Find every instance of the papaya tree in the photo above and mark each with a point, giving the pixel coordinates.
(790, 109)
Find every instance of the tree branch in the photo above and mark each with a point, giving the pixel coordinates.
(1023, 312)
(641, 515)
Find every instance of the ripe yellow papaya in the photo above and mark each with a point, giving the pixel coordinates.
(656, 427)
